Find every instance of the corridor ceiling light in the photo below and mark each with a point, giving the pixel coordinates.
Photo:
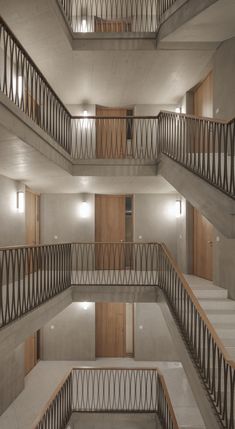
(20, 201)
(178, 208)
(84, 210)
(84, 28)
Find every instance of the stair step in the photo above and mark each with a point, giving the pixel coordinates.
(217, 304)
(225, 330)
(221, 316)
(207, 293)
(231, 351)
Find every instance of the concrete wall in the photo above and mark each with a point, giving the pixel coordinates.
(224, 82)
(155, 220)
(11, 376)
(61, 219)
(152, 337)
(70, 335)
(184, 226)
(224, 108)
(223, 262)
(12, 232)
(12, 223)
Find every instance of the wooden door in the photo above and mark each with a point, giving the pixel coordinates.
(203, 246)
(31, 352)
(32, 224)
(112, 26)
(111, 134)
(203, 107)
(110, 329)
(203, 98)
(110, 227)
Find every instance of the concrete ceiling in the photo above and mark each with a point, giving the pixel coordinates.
(216, 23)
(101, 77)
(21, 162)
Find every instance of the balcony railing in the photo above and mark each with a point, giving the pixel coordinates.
(22, 82)
(114, 16)
(204, 146)
(30, 276)
(132, 137)
(111, 16)
(214, 364)
(109, 390)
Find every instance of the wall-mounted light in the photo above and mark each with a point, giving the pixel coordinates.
(84, 27)
(84, 209)
(178, 110)
(178, 208)
(20, 201)
(17, 86)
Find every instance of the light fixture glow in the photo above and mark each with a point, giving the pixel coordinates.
(84, 28)
(20, 201)
(178, 109)
(85, 120)
(85, 305)
(84, 209)
(178, 208)
(17, 87)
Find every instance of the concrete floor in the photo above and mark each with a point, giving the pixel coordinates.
(114, 421)
(43, 379)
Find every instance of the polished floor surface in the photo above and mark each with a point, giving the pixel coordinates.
(43, 379)
(114, 421)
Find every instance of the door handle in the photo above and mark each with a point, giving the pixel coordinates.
(210, 243)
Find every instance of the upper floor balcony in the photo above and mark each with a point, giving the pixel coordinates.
(203, 146)
(133, 18)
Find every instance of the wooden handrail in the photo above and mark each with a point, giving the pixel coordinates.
(168, 399)
(51, 399)
(33, 246)
(198, 307)
(166, 112)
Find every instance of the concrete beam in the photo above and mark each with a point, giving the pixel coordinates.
(115, 293)
(182, 12)
(217, 207)
(20, 125)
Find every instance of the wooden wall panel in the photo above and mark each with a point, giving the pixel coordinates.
(203, 98)
(203, 247)
(110, 227)
(30, 353)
